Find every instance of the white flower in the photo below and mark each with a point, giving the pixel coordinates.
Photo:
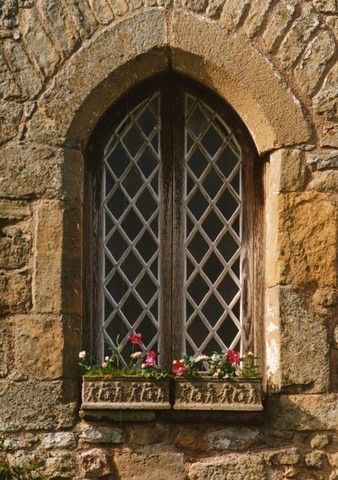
(82, 354)
(182, 360)
(107, 359)
(218, 370)
(143, 365)
(136, 355)
(249, 354)
(104, 364)
(174, 362)
(215, 374)
(201, 358)
(214, 357)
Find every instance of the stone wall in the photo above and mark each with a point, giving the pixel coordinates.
(62, 63)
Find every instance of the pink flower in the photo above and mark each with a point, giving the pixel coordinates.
(233, 357)
(135, 338)
(150, 361)
(178, 368)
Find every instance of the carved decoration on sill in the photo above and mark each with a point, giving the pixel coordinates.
(217, 395)
(125, 394)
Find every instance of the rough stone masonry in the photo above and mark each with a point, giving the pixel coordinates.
(62, 63)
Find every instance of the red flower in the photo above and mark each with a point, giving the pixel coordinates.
(178, 368)
(135, 338)
(150, 361)
(233, 357)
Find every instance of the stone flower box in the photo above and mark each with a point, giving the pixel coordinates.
(132, 393)
(218, 394)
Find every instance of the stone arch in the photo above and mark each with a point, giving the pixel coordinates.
(149, 42)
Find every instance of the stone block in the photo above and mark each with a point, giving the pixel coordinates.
(60, 25)
(163, 465)
(297, 37)
(95, 463)
(326, 160)
(190, 439)
(327, 6)
(8, 86)
(6, 348)
(325, 102)
(329, 135)
(312, 65)
(15, 291)
(102, 10)
(36, 406)
(282, 16)
(47, 276)
(239, 438)
(39, 346)
(303, 412)
(58, 440)
(315, 459)
(59, 465)
(15, 247)
(254, 21)
(100, 434)
(38, 41)
(303, 238)
(147, 434)
(10, 117)
(83, 18)
(287, 171)
(233, 467)
(28, 78)
(233, 12)
(13, 211)
(324, 181)
(289, 456)
(320, 440)
(305, 345)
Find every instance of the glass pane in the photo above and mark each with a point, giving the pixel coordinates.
(131, 200)
(212, 196)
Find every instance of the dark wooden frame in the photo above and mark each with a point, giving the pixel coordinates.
(172, 87)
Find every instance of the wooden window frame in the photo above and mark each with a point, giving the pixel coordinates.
(172, 87)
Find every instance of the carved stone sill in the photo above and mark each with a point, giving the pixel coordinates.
(218, 394)
(130, 393)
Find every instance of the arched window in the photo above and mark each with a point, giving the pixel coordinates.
(174, 222)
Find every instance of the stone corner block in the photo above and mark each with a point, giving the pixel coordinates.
(287, 171)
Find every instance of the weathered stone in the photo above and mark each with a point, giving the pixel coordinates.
(303, 412)
(190, 439)
(233, 12)
(333, 458)
(95, 463)
(13, 211)
(35, 336)
(233, 438)
(303, 335)
(315, 459)
(279, 23)
(323, 161)
(59, 440)
(59, 465)
(120, 7)
(325, 5)
(313, 63)
(162, 466)
(29, 79)
(231, 467)
(20, 403)
(326, 181)
(101, 434)
(296, 39)
(15, 291)
(302, 251)
(14, 443)
(288, 456)
(8, 86)
(39, 43)
(256, 16)
(214, 8)
(10, 117)
(47, 279)
(329, 135)
(325, 101)
(60, 25)
(196, 5)
(321, 440)
(83, 17)
(287, 171)
(102, 11)
(6, 348)
(147, 434)
(14, 247)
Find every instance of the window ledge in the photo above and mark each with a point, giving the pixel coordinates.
(198, 394)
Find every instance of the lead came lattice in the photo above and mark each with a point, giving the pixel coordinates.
(212, 232)
(131, 227)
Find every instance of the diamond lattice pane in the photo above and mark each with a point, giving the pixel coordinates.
(131, 225)
(212, 231)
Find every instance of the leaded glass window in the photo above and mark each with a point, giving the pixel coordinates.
(174, 228)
